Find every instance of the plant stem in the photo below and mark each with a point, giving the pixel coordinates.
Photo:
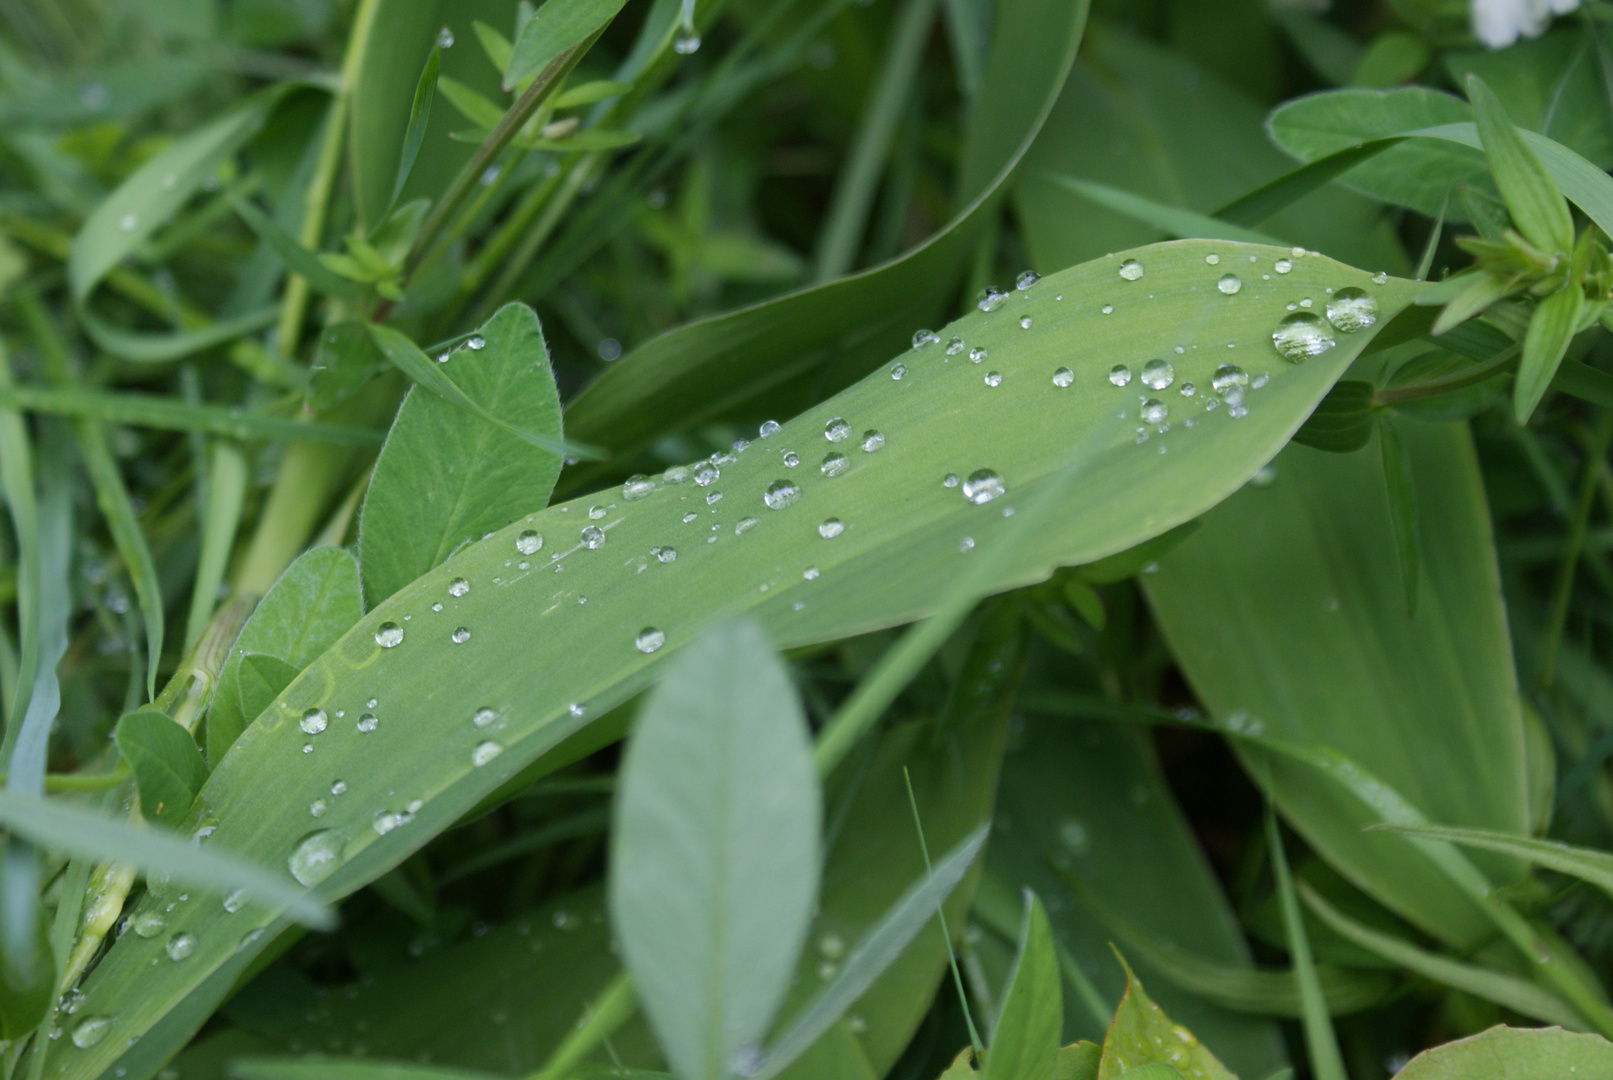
(613, 1007)
(1400, 395)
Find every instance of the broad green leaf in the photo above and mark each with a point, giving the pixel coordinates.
(443, 478)
(857, 551)
(168, 768)
(1146, 121)
(1141, 1035)
(1417, 173)
(1537, 207)
(425, 91)
(1086, 800)
(558, 25)
(1025, 1043)
(1551, 328)
(714, 852)
(1584, 382)
(1405, 521)
(1342, 422)
(1286, 608)
(259, 679)
(1586, 864)
(61, 826)
(307, 609)
(167, 414)
(1516, 1054)
(839, 330)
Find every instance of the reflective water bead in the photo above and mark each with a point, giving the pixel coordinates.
(148, 924)
(897, 371)
(1024, 322)
(91, 1030)
(1228, 376)
(664, 554)
(1120, 375)
(460, 635)
(977, 355)
(834, 464)
(593, 537)
(485, 752)
(1158, 374)
(1229, 284)
(1107, 309)
(1154, 411)
(649, 639)
(338, 787)
(483, 716)
(1282, 266)
(983, 486)
(678, 474)
(791, 459)
(685, 42)
(690, 516)
(315, 858)
(745, 525)
(1026, 279)
(636, 487)
(476, 343)
(1212, 259)
(389, 635)
(966, 544)
(921, 338)
(235, 901)
(180, 946)
(529, 542)
(991, 298)
(596, 512)
(368, 723)
(831, 528)
(1063, 377)
(445, 38)
(577, 709)
(950, 480)
(781, 493)
(836, 429)
(810, 573)
(955, 346)
(1350, 310)
(1188, 389)
(1131, 269)
(1302, 335)
(706, 474)
(993, 378)
(872, 441)
(458, 587)
(313, 721)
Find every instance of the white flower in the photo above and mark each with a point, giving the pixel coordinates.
(1498, 23)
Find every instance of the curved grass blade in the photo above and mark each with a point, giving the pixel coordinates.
(1171, 219)
(298, 259)
(1586, 864)
(425, 92)
(1321, 1044)
(857, 548)
(63, 827)
(226, 491)
(168, 414)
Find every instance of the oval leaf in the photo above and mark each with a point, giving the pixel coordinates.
(168, 767)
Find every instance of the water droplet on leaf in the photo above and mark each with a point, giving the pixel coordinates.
(983, 486)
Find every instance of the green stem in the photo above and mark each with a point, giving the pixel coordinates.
(611, 1009)
(1400, 395)
(1562, 590)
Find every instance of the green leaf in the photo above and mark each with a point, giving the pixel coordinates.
(495, 45)
(1393, 57)
(558, 25)
(425, 91)
(1401, 485)
(1538, 209)
(259, 679)
(533, 652)
(1025, 1043)
(298, 259)
(588, 93)
(168, 768)
(1321, 1045)
(397, 40)
(586, 139)
(443, 479)
(1517, 1054)
(346, 359)
(406, 356)
(1285, 609)
(1170, 220)
(307, 609)
(1551, 328)
(471, 105)
(1078, 1061)
(27, 966)
(1595, 867)
(714, 853)
(1342, 422)
(226, 492)
(345, 1069)
(1141, 1034)
(75, 831)
(1584, 382)
(149, 410)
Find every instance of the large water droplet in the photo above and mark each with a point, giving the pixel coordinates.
(316, 857)
(180, 946)
(1120, 375)
(649, 639)
(872, 441)
(389, 635)
(983, 486)
(460, 635)
(706, 474)
(1302, 335)
(677, 474)
(313, 721)
(1158, 374)
(831, 528)
(921, 338)
(790, 459)
(148, 924)
(781, 493)
(368, 723)
(1228, 377)
(836, 429)
(1131, 269)
(834, 464)
(993, 378)
(1063, 377)
(1350, 310)
(1229, 284)
(91, 1030)
(485, 752)
(685, 42)
(768, 428)
(955, 346)
(459, 586)
(991, 298)
(636, 487)
(1027, 279)
(1282, 266)
(593, 537)
(1154, 411)
(977, 355)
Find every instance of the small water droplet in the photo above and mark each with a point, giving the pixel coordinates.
(834, 464)
(316, 857)
(596, 512)
(476, 343)
(1188, 389)
(1026, 279)
(686, 42)
(1213, 259)
(180, 946)
(368, 723)
(1107, 309)
(91, 1030)
(1230, 284)
(485, 751)
(1153, 411)
(649, 639)
(1158, 374)
(950, 480)
(677, 474)
(148, 924)
(706, 474)
(338, 787)
(836, 429)
(955, 346)
(664, 554)
(966, 544)
(1063, 377)
(1131, 269)
(713, 498)
(445, 38)
(459, 586)
(810, 573)
(636, 487)
(313, 721)
(977, 355)
(991, 298)
(593, 537)
(389, 635)
(1350, 310)
(235, 901)
(1380, 278)
(1228, 377)
(769, 428)
(781, 493)
(745, 525)
(460, 635)
(993, 378)
(1120, 375)
(1302, 335)
(791, 459)
(897, 371)
(921, 338)
(1282, 266)
(831, 528)
(983, 486)
(1024, 322)
(690, 516)
(483, 716)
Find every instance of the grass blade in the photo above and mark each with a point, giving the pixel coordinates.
(166, 414)
(1537, 207)
(1171, 219)
(1320, 1042)
(226, 492)
(425, 92)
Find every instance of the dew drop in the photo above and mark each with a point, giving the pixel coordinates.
(148, 924)
(1153, 411)
(180, 946)
(831, 528)
(596, 512)
(338, 787)
(706, 474)
(977, 355)
(593, 537)
(810, 573)
(690, 516)
(1026, 279)
(1131, 269)
(921, 338)
(91, 1030)
(1120, 375)
(313, 721)
(791, 459)
(1107, 309)
(686, 42)
(476, 343)
(445, 38)
(649, 639)
(834, 464)
(836, 429)
(1024, 322)
(1350, 310)
(1063, 377)
(460, 635)
(872, 441)
(781, 493)
(1282, 266)
(458, 587)
(993, 378)
(897, 371)
(483, 716)
(1302, 335)
(1213, 259)
(235, 901)
(315, 858)
(636, 487)
(389, 635)
(485, 752)
(769, 428)
(1228, 377)
(678, 474)
(664, 554)
(983, 486)
(991, 298)
(1158, 374)
(1230, 284)
(1188, 389)
(368, 723)
(950, 480)
(966, 544)
(955, 346)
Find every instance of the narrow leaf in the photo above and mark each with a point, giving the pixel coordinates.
(494, 44)
(1551, 328)
(1532, 197)
(419, 116)
(259, 680)
(558, 25)
(298, 259)
(589, 92)
(226, 491)
(168, 768)
(1025, 1044)
(714, 857)
(1400, 484)
(1321, 1044)
(1586, 864)
(1584, 382)
(1172, 220)
(167, 414)
(471, 105)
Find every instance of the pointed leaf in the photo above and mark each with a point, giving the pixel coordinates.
(1536, 205)
(1025, 1044)
(1516, 1054)
(425, 92)
(1342, 422)
(1551, 328)
(558, 25)
(168, 768)
(298, 259)
(1586, 864)
(1141, 1035)
(259, 679)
